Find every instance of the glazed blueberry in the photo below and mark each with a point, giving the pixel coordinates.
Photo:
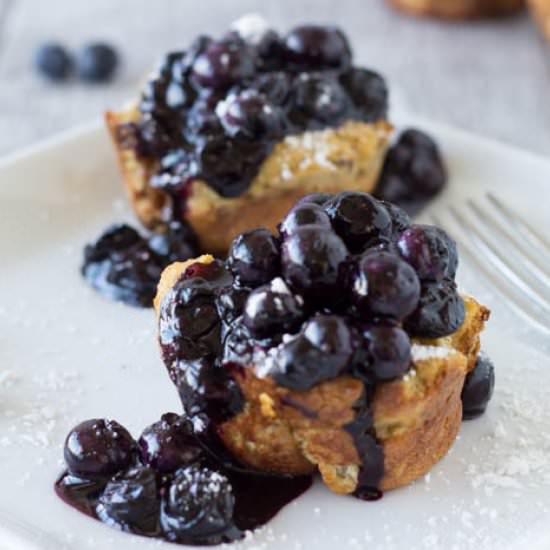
(275, 86)
(272, 309)
(318, 100)
(317, 47)
(254, 257)
(197, 506)
(97, 449)
(169, 444)
(429, 250)
(130, 500)
(399, 218)
(384, 285)
(231, 302)
(312, 259)
(53, 61)
(358, 218)
(122, 267)
(368, 91)
(478, 388)
(387, 353)
(304, 214)
(315, 198)
(323, 350)
(223, 63)
(97, 62)
(440, 311)
(178, 242)
(250, 115)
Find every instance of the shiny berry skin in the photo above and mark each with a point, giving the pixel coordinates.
(312, 259)
(197, 505)
(272, 309)
(304, 214)
(384, 285)
(254, 257)
(323, 350)
(249, 115)
(440, 311)
(317, 47)
(429, 250)
(387, 353)
(130, 500)
(176, 243)
(315, 198)
(358, 218)
(97, 62)
(169, 444)
(98, 448)
(53, 61)
(478, 388)
(223, 63)
(368, 91)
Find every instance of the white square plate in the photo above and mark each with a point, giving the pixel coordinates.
(67, 354)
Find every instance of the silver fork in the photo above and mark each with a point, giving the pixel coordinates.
(512, 255)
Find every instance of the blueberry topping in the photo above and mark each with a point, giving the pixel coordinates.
(177, 242)
(272, 308)
(358, 218)
(53, 61)
(399, 218)
(98, 449)
(384, 285)
(429, 250)
(97, 62)
(275, 87)
(197, 505)
(169, 444)
(304, 214)
(315, 198)
(368, 92)
(440, 311)
(254, 257)
(322, 351)
(130, 500)
(478, 388)
(312, 260)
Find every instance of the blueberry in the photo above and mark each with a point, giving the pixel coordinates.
(271, 51)
(312, 260)
(318, 100)
(223, 63)
(176, 243)
(254, 257)
(323, 350)
(97, 62)
(384, 285)
(387, 353)
(317, 47)
(368, 91)
(53, 61)
(97, 449)
(315, 198)
(197, 506)
(130, 500)
(478, 388)
(304, 214)
(358, 218)
(272, 308)
(399, 218)
(248, 114)
(169, 444)
(231, 302)
(440, 311)
(274, 86)
(429, 250)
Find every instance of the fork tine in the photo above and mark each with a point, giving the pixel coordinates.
(499, 261)
(521, 225)
(506, 291)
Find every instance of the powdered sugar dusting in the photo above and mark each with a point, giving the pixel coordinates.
(420, 352)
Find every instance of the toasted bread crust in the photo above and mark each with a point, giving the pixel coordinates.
(459, 9)
(416, 418)
(345, 158)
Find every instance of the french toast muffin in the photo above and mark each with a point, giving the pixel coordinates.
(228, 134)
(541, 12)
(459, 9)
(338, 344)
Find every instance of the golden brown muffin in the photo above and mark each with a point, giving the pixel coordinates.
(416, 418)
(541, 12)
(459, 9)
(346, 158)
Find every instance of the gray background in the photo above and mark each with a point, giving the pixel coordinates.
(491, 77)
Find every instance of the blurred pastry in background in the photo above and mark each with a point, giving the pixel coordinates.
(463, 9)
(541, 12)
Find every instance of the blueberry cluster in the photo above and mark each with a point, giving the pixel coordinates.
(215, 110)
(164, 485)
(125, 266)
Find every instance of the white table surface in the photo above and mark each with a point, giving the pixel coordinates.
(490, 77)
